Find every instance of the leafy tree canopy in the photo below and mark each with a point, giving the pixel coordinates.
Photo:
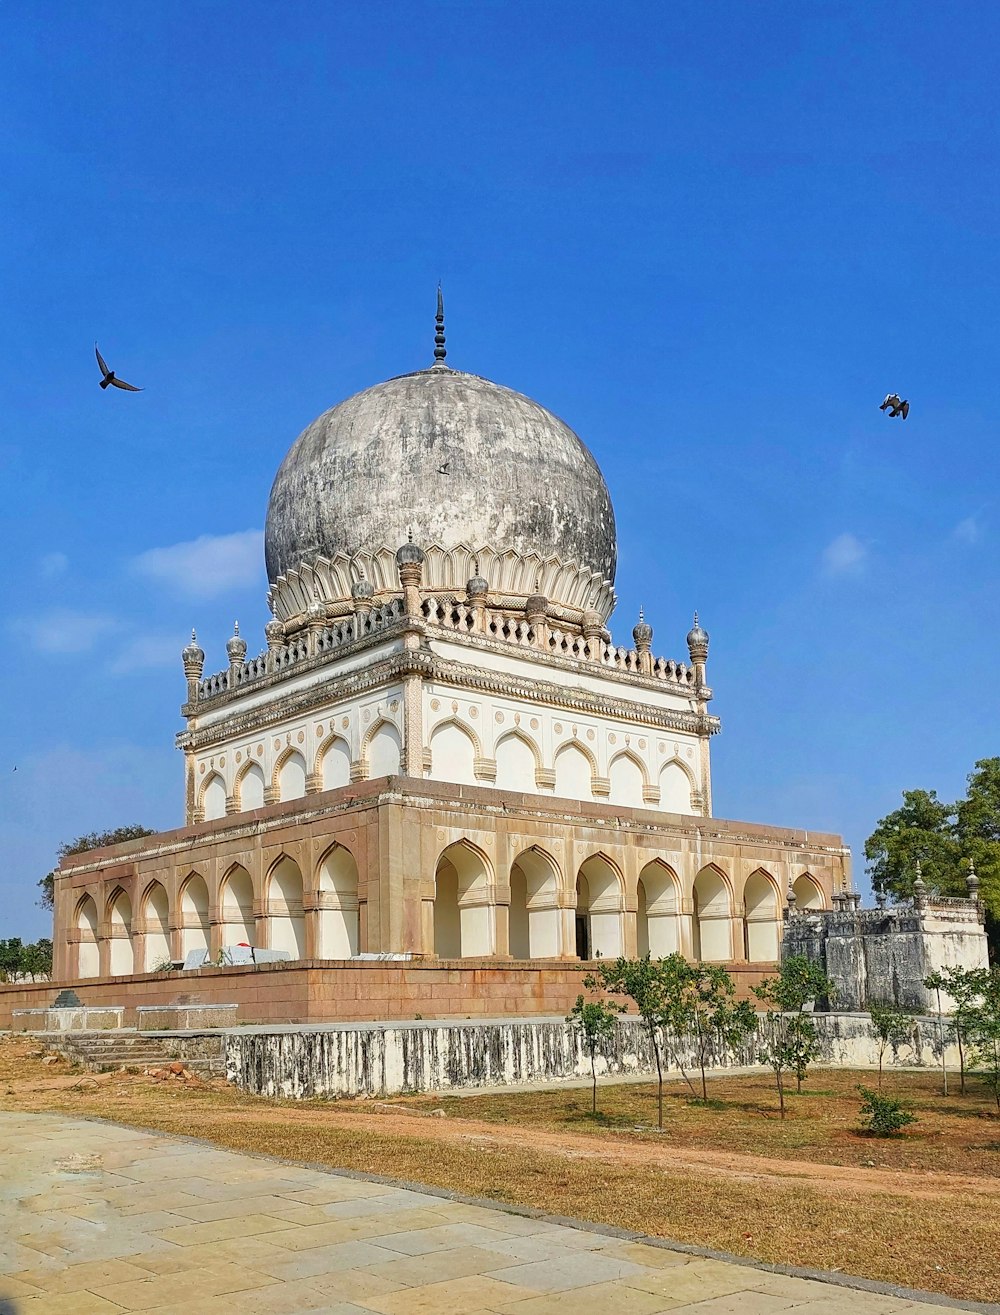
(944, 837)
(92, 840)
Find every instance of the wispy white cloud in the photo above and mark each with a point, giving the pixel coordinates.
(846, 555)
(968, 531)
(64, 630)
(206, 567)
(52, 564)
(147, 651)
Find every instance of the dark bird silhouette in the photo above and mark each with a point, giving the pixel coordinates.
(443, 470)
(109, 375)
(898, 408)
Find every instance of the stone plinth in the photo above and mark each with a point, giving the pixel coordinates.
(185, 1017)
(77, 1019)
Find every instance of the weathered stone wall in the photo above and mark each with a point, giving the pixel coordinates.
(885, 954)
(383, 1061)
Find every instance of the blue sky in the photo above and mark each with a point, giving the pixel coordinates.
(711, 237)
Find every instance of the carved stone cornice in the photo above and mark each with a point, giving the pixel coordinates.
(392, 669)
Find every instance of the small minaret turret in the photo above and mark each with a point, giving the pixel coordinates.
(193, 657)
(642, 635)
(697, 642)
(236, 650)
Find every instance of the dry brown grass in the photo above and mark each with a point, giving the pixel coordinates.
(540, 1150)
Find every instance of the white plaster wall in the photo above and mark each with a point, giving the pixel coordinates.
(453, 753)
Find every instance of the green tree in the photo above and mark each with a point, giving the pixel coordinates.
(885, 1115)
(890, 1027)
(787, 1036)
(11, 958)
(597, 1021)
(647, 985)
(18, 960)
(924, 829)
(965, 986)
(92, 840)
(984, 1031)
(977, 827)
(935, 982)
(714, 1014)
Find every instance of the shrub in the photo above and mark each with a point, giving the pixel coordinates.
(884, 1115)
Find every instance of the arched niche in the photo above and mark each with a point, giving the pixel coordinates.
(338, 915)
(600, 910)
(335, 764)
(713, 913)
(284, 903)
(292, 776)
(194, 915)
(122, 961)
(516, 762)
(760, 902)
(464, 914)
(535, 924)
(156, 920)
(236, 905)
(213, 798)
(88, 959)
(627, 780)
(808, 893)
(251, 789)
(675, 788)
(453, 753)
(574, 773)
(658, 913)
(385, 751)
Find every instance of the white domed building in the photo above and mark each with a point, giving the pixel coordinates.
(442, 754)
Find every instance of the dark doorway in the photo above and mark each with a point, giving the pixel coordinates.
(582, 936)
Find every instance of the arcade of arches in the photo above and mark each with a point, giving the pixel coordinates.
(535, 909)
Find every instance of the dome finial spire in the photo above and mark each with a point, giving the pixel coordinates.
(439, 348)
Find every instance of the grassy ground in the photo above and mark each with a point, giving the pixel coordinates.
(920, 1211)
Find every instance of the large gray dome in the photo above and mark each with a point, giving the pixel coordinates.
(462, 464)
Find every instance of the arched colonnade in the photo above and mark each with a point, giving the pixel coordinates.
(537, 911)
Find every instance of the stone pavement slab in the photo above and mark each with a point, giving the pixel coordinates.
(97, 1219)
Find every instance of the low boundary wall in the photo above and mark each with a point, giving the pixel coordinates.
(345, 991)
(373, 1060)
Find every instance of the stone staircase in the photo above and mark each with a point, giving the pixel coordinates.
(127, 1048)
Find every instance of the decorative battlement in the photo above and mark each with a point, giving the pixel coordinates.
(457, 616)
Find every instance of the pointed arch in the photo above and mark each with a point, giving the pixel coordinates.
(454, 749)
(575, 768)
(518, 758)
(761, 903)
(535, 917)
(193, 902)
(212, 799)
(628, 779)
(808, 892)
(250, 786)
(284, 887)
(119, 916)
(337, 884)
(677, 782)
(155, 920)
(333, 762)
(600, 908)
(236, 905)
(88, 960)
(464, 907)
(713, 914)
(288, 777)
(382, 749)
(658, 910)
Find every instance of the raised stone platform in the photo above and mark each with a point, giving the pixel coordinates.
(78, 1018)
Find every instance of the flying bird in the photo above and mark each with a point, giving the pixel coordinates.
(109, 375)
(898, 408)
(443, 470)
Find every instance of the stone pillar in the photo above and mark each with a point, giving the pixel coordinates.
(410, 563)
(536, 609)
(477, 592)
(362, 593)
(593, 633)
(413, 724)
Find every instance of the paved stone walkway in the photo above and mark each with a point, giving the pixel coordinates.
(95, 1218)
